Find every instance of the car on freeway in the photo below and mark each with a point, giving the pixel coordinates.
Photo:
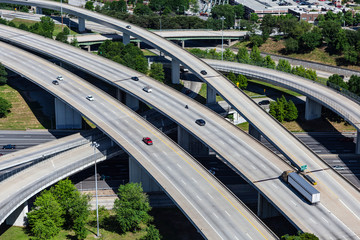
(264, 102)
(1, 154)
(203, 72)
(135, 78)
(55, 82)
(128, 27)
(338, 167)
(147, 141)
(9, 146)
(147, 89)
(90, 97)
(60, 78)
(200, 122)
(346, 139)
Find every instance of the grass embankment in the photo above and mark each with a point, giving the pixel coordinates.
(22, 115)
(28, 23)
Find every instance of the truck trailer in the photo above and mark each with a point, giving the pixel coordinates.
(302, 186)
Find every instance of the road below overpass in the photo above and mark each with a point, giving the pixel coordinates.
(191, 186)
(243, 153)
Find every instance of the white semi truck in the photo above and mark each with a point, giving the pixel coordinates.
(302, 186)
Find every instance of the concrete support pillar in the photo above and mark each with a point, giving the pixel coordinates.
(81, 26)
(126, 38)
(210, 94)
(17, 218)
(183, 43)
(38, 10)
(254, 132)
(357, 148)
(139, 44)
(175, 71)
(138, 174)
(190, 144)
(66, 117)
(132, 102)
(229, 42)
(265, 209)
(312, 109)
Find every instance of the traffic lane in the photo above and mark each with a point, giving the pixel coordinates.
(76, 96)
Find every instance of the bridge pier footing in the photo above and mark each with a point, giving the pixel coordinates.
(357, 148)
(312, 109)
(266, 209)
(210, 94)
(254, 132)
(126, 38)
(132, 102)
(81, 26)
(17, 217)
(175, 71)
(66, 117)
(190, 144)
(139, 175)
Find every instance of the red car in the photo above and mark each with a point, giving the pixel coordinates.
(147, 141)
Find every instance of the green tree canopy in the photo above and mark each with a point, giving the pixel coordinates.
(337, 80)
(152, 233)
(268, 62)
(354, 84)
(142, 9)
(5, 107)
(243, 55)
(3, 74)
(157, 72)
(89, 5)
(255, 56)
(284, 66)
(226, 11)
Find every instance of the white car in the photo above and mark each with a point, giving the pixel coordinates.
(147, 89)
(90, 98)
(60, 78)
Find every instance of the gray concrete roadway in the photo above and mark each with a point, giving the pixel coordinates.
(211, 207)
(251, 160)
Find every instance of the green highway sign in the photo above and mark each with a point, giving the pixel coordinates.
(303, 167)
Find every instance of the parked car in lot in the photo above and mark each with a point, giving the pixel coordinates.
(147, 141)
(264, 102)
(200, 122)
(9, 146)
(147, 89)
(55, 82)
(60, 78)
(90, 97)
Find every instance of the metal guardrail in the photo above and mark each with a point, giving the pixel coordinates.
(26, 192)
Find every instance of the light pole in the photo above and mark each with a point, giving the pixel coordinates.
(96, 145)
(222, 36)
(160, 22)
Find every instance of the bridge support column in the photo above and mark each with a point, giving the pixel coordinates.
(312, 109)
(254, 132)
(210, 94)
(126, 38)
(132, 102)
(81, 26)
(66, 117)
(265, 209)
(357, 148)
(183, 43)
(229, 42)
(17, 218)
(38, 10)
(139, 44)
(139, 175)
(175, 71)
(190, 144)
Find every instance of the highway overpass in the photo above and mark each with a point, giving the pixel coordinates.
(245, 155)
(191, 186)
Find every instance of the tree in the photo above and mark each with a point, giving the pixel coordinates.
(341, 40)
(277, 111)
(354, 84)
(231, 76)
(157, 72)
(284, 66)
(243, 55)
(291, 45)
(300, 236)
(142, 9)
(268, 62)
(47, 27)
(229, 55)
(3, 74)
(255, 56)
(89, 5)
(5, 107)
(226, 11)
(239, 11)
(62, 36)
(330, 29)
(45, 219)
(256, 40)
(351, 55)
(132, 207)
(152, 233)
(267, 26)
(242, 80)
(337, 80)
(24, 27)
(310, 40)
(254, 17)
(290, 111)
